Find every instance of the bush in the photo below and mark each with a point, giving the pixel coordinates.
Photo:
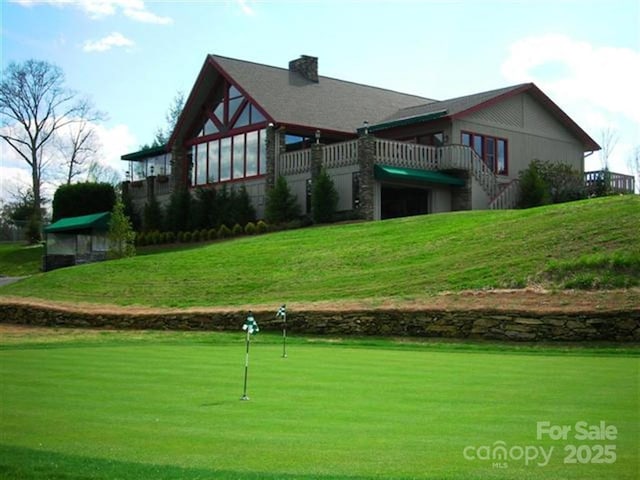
(546, 182)
(262, 227)
(180, 237)
(224, 232)
(237, 230)
(155, 237)
(204, 235)
(281, 206)
(187, 237)
(79, 199)
(195, 236)
(140, 239)
(212, 234)
(324, 198)
(250, 228)
(171, 237)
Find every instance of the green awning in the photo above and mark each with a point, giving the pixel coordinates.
(95, 221)
(385, 172)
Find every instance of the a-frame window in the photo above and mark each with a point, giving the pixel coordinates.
(231, 142)
(230, 112)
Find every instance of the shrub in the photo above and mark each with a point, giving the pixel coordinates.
(546, 182)
(195, 236)
(281, 206)
(212, 234)
(140, 239)
(187, 237)
(85, 198)
(237, 230)
(204, 235)
(224, 232)
(181, 237)
(152, 215)
(250, 228)
(324, 198)
(171, 237)
(262, 227)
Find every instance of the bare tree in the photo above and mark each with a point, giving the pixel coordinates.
(34, 105)
(78, 143)
(101, 173)
(162, 135)
(634, 165)
(608, 142)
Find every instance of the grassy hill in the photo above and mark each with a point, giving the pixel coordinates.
(587, 244)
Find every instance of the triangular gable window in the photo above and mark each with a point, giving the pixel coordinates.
(231, 112)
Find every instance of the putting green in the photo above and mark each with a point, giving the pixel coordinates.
(171, 409)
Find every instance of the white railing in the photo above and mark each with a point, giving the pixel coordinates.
(340, 154)
(462, 157)
(508, 196)
(408, 155)
(293, 163)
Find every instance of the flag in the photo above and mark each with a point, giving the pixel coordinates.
(250, 325)
(282, 312)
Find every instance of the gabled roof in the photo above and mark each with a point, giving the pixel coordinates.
(288, 98)
(461, 106)
(95, 221)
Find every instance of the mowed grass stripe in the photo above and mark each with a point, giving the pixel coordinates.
(402, 259)
(326, 410)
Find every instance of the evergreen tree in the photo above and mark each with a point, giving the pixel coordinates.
(121, 234)
(282, 206)
(244, 211)
(324, 198)
(152, 216)
(534, 190)
(178, 210)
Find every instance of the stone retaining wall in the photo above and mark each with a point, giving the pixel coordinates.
(486, 325)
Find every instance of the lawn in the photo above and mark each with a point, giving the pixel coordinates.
(586, 244)
(18, 259)
(136, 405)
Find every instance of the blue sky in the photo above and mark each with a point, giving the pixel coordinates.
(132, 56)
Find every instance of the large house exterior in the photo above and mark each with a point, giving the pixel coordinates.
(389, 154)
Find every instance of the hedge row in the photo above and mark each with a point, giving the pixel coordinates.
(159, 238)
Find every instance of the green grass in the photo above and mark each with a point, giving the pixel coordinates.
(104, 405)
(402, 259)
(18, 259)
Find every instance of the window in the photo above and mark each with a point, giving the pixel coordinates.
(230, 158)
(492, 150)
(238, 156)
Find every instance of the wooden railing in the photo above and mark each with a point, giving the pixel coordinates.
(461, 157)
(508, 196)
(604, 180)
(407, 155)
(292, 163)
(340, 154)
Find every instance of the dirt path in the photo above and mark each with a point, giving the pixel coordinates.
(525, 300)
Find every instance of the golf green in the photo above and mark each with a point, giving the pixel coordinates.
(170, 408)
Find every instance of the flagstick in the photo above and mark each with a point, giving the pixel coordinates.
(246, 367)
(284, 335)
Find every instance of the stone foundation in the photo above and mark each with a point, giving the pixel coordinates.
(481, 325)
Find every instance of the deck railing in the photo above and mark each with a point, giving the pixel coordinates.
(407, 155)
(617, 182)
(340, 154)
(292, 163)
(461, 157)
(508, 196)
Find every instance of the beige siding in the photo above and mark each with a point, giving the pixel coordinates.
(343, 182)
(531, 131)
(440, 200)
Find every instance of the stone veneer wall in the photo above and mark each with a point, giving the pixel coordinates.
(484, 325)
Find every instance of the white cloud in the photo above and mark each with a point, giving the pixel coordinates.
(95, 9)
(245, 7)
(606, 77)
(115, 39)
(116, 141)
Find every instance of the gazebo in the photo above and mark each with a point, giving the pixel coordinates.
(75, 240)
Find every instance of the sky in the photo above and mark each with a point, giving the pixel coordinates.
(131, 57)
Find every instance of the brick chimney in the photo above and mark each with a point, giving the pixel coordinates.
(306, 66)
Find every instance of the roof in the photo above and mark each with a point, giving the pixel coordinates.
(289, 98)
(459, 107)
(95, 221)
(386, 172)
(145, 153)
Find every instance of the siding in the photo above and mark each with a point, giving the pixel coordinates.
(532, 132)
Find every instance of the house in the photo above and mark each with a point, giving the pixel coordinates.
(75, 240)
(388, 153)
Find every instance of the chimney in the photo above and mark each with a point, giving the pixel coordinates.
(306, 66)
